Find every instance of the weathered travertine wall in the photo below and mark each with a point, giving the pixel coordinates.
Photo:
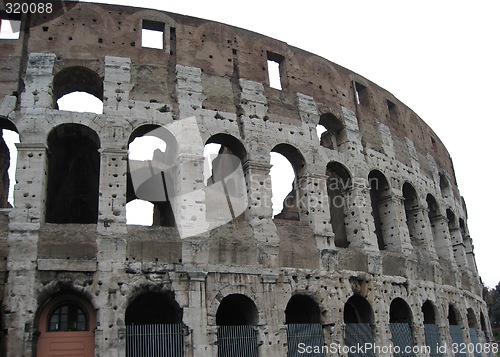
(398, 241)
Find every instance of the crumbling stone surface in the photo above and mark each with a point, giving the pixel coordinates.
(67, 233)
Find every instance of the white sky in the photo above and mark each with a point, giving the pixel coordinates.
(440, 58)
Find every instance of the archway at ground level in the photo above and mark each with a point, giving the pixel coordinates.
(66, 327)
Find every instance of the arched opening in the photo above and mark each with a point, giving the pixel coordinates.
(433, 214)
(338, 183)
(8, 160)
(284, 156)
(225, 194)
(236, 318)
(456, 334)
(400, 320)
(456, 240)
(78, 89)
(149, 181)
(444, 185)
(154, 326)
(73, 175)
(379, 194)
(474, 332)
(431, 329)
(331, 131)
(411, 204)
(358, 318)
(66, 327)
(303, 320)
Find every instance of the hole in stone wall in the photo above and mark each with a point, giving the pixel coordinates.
(275, 70)
(148, 181)
(153, 34)
(452, 316)
(361, 94)
(399, 312)
(10, 29)
(393, 110)
(73, 175)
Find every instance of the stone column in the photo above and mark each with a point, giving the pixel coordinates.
(20, 304)
(195, 316)
(116, 83)
(113, 188)
(360, 226)
(442, 244)
(422, 230)
(394, 230)
(259, 212)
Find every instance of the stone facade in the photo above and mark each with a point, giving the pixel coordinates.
(399, 234)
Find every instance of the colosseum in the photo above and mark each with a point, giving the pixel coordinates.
(370, 256)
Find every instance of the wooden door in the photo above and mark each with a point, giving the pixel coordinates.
(66, 328)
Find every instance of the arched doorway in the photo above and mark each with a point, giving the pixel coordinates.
(400, 321)
(154, 326)
(237, 318)
(303, 320)
(66, 327)
(358, 320)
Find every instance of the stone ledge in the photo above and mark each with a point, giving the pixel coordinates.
(67, 265)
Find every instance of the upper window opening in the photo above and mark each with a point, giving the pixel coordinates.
(275, 70)
(361, 93)
(288, 165)
(153, 34)
(8, 154)
(81, 88)
(73, 175)
(393, 110)
(80, 102)
(68, 317)
(147, 148)
(10, 29)
(331, 131)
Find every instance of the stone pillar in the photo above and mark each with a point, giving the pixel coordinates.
(422, 230)
(271, 331)
(394, 230)
(195, 316)
(113, 188)
(259, 212)
(442, 244)
(360, 226)
(38, 82)
(20, 304)
(458, 249)
(116, 83)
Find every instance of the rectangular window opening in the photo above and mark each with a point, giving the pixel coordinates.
(361, 93)
(10, 29)
(274, 70)
(153, 34)
(393, 112)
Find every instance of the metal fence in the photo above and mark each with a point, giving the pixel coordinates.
(433, 339)
(359, 335)
(304, 335)
(457, 338)
(402, 338)
(237, 341)
(158, 340)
